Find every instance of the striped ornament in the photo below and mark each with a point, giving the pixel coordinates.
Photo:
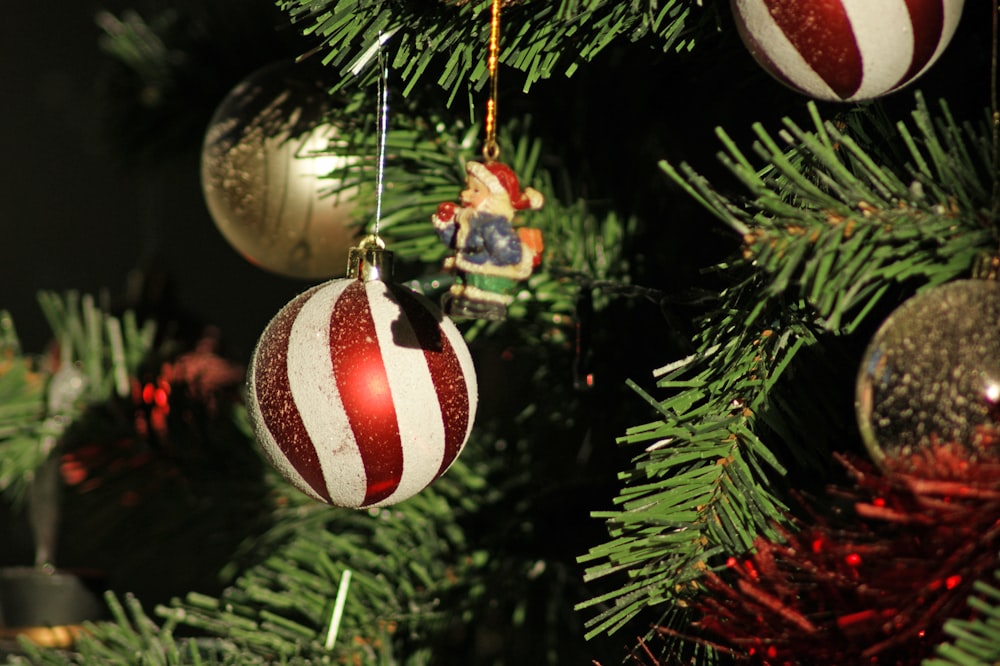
(361, 393)
(846, 50)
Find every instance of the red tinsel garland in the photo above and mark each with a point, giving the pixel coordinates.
(872, 582)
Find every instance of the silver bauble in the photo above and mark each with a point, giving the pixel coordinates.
(269, 173)
(931, 374)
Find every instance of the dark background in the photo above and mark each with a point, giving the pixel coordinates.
(79, 212)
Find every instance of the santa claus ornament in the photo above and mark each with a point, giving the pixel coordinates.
(490, 255)
(491, 251)
(360, 392)
(846, 50)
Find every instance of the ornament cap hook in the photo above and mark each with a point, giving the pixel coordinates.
(370, 260)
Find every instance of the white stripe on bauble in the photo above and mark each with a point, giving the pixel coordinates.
(418, 412)
(776, 47)
(317, 399)
(884, 34)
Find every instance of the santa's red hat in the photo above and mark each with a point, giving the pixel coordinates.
(500, 179)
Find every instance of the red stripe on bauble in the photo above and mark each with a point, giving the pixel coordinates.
(275, 400)
(446, 372)
(364, 391)
(927, 17)
(821, 32)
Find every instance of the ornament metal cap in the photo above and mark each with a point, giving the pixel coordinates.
(370, 260)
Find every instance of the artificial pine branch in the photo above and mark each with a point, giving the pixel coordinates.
(539, 38)
(702, 485)
(826, 231)
(835, 228)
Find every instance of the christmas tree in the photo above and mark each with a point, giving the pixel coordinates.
(671, 460)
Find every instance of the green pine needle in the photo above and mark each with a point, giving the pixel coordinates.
(539, 38)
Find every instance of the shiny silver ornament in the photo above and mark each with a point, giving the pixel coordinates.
(271, 175)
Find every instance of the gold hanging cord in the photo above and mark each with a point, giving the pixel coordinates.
(491, 149)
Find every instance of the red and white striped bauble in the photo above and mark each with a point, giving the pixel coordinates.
(361, 393)
(846, 50)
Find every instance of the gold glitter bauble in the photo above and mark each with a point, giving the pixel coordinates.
(931, 374)
(269, 172)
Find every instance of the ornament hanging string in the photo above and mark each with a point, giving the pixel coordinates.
(383, 131)
(491, 149)
(369, 260)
